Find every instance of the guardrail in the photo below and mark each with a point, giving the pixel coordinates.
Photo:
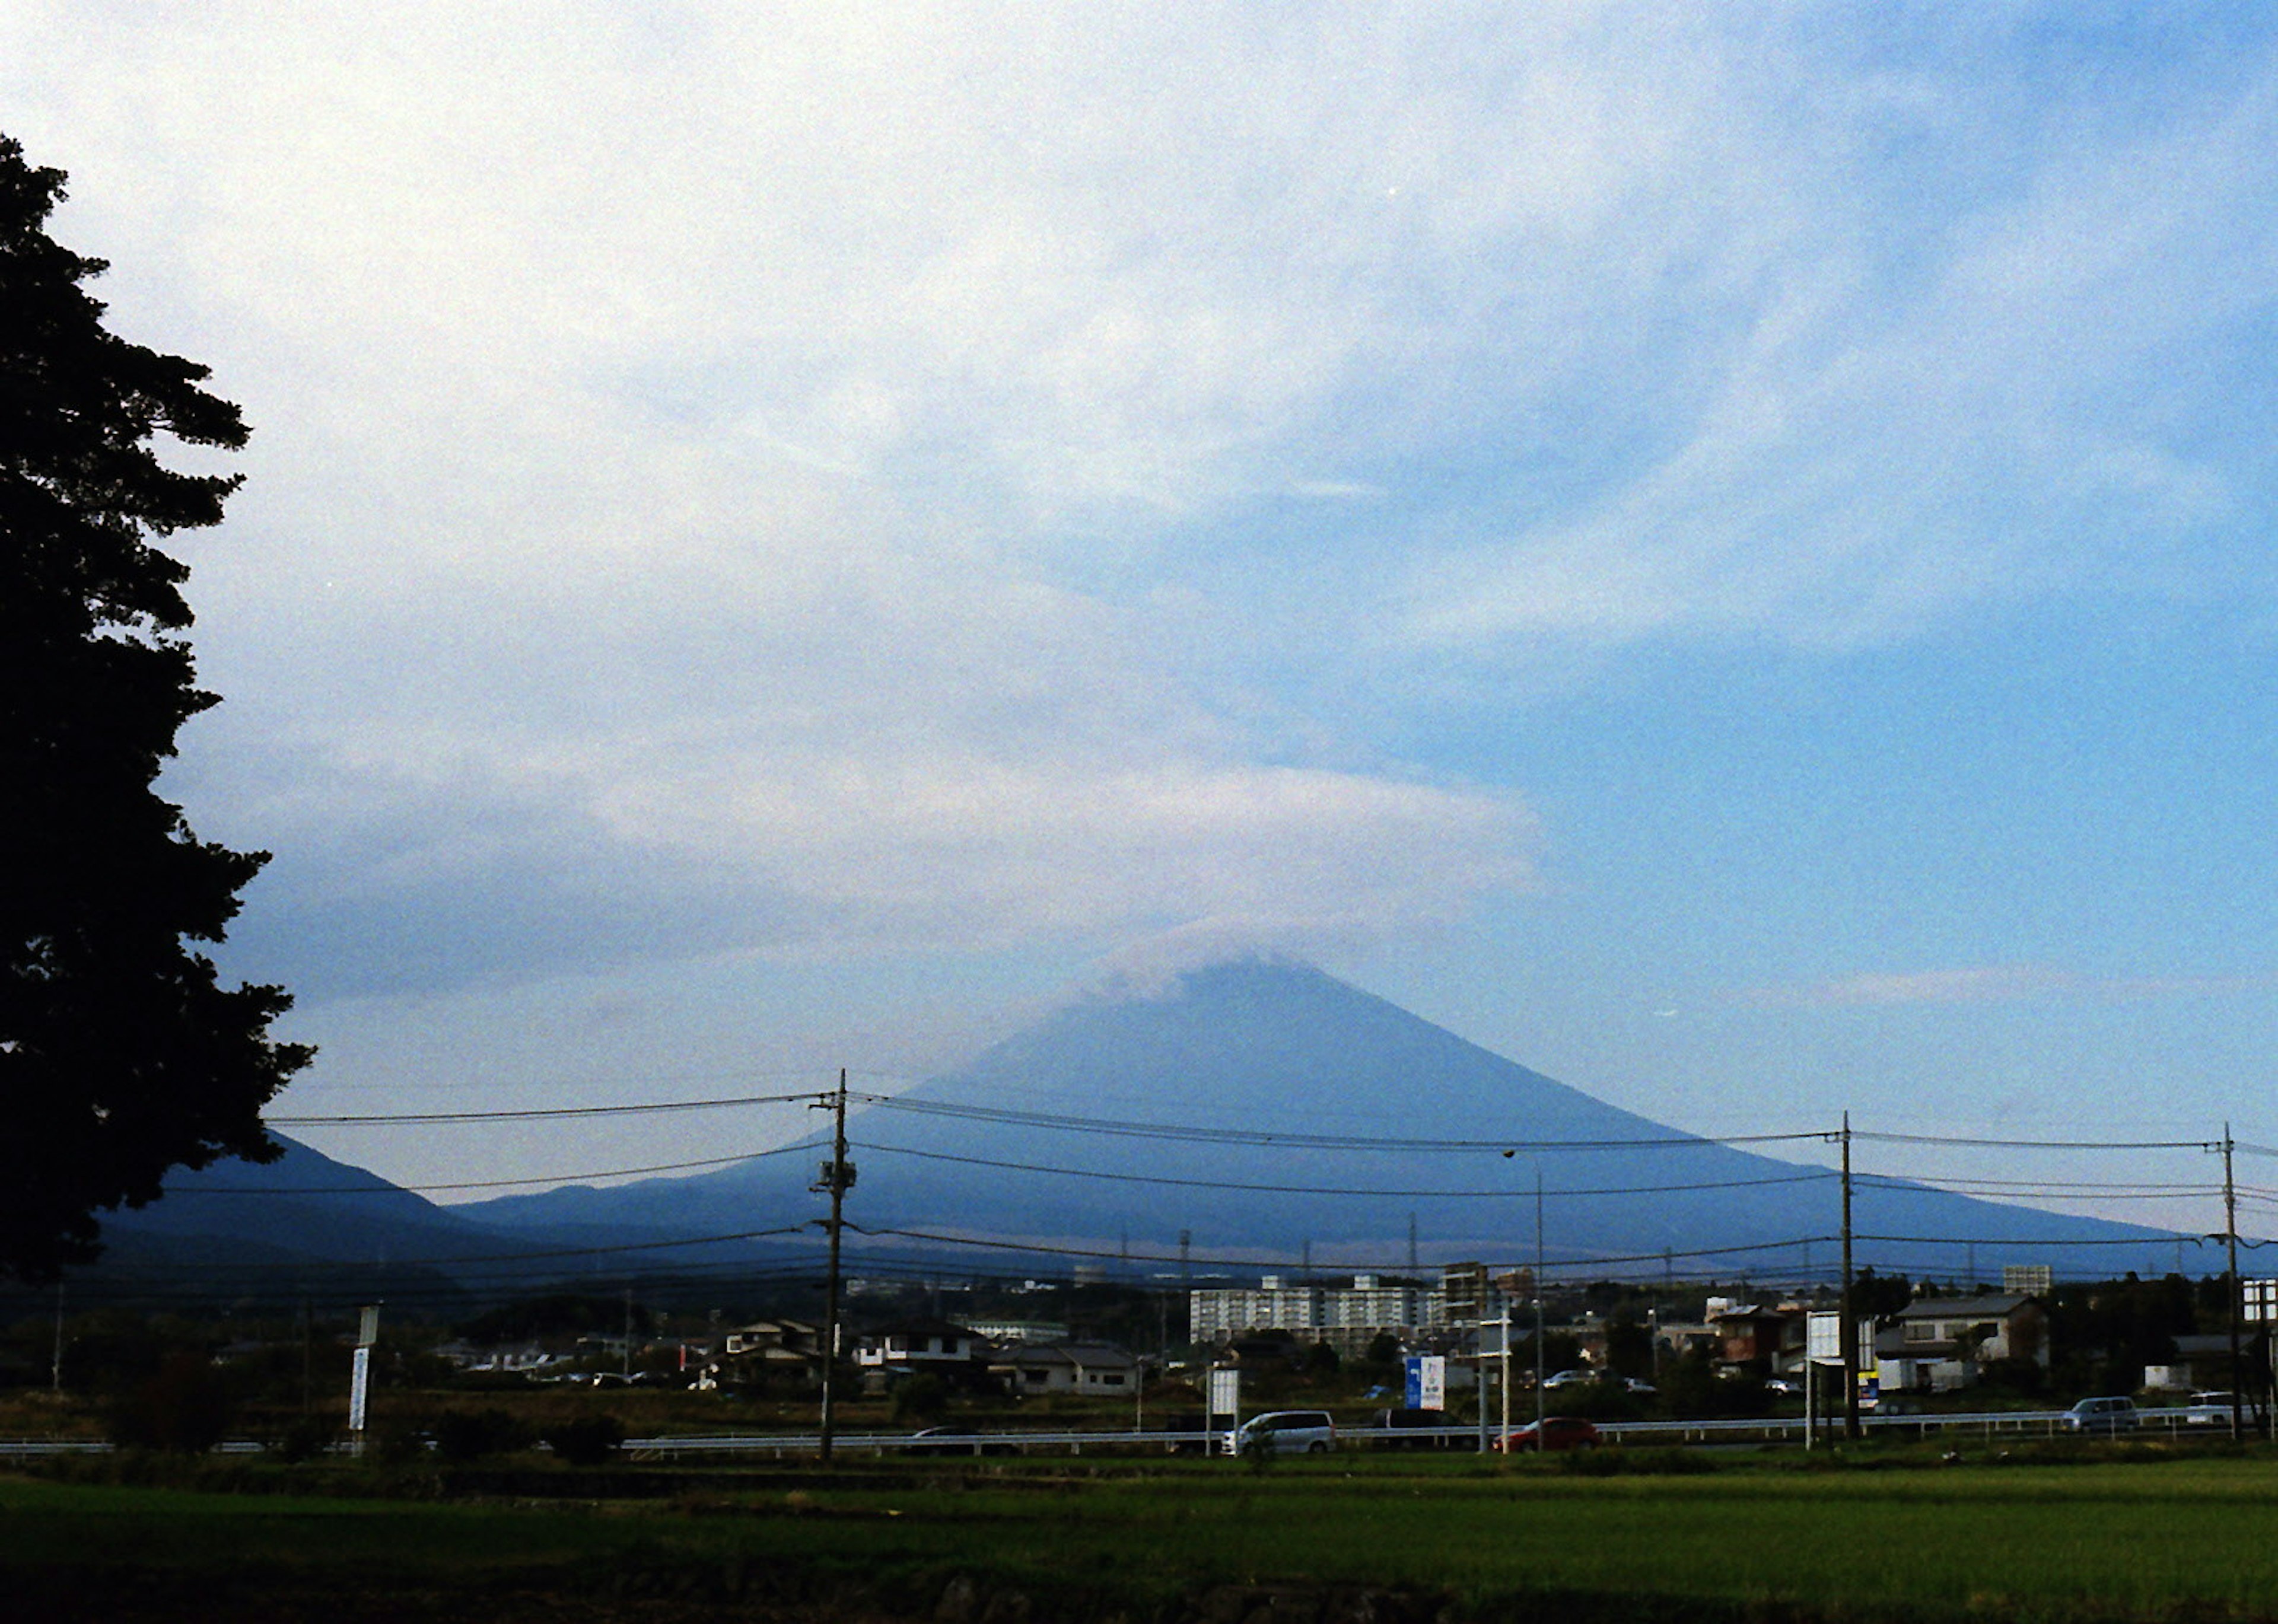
(1989, 1423)
(1458, 1438)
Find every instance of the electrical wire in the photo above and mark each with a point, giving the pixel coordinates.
(1052, 1250)
(1311, 1142)
(1508, 1193)
(488, 1184)
(2010, 1189)
(556, 1113)
(2037, 1144)
(613, 1249)
(2022, 1240)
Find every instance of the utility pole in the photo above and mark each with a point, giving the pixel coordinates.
(2230, 1288)
(1851, 1431)
(838, 1178)
(56, 1368)
(1541, 1398)
(1503, 1438)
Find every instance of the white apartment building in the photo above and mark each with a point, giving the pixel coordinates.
(1345, 1317)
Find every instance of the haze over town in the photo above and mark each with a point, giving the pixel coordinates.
(1719, 553)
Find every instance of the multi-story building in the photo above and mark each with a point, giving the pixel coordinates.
(1347, 1317)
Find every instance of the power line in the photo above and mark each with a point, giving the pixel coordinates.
(2073, 1190)
(554, 1112)
(2157, 1239)
(1284, 1189)
(1593, 1262)
(2040, 1144)
(487, 1184)
(1311, 1142)
(613, 1249)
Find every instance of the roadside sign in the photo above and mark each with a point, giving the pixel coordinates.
(360, 1375)
(1427, 1382)
(1822, 1335)
(359, 1385)
(1225, 1399)
(1226, 1392)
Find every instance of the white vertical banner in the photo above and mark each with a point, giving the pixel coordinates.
(1432, 1381)
(1225, 1401)
(1226, 1392)
(359, 1384)
(1822, 1335)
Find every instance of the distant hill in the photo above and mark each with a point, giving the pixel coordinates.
(1269, 1107)
(304, 1224)
(304, 1203)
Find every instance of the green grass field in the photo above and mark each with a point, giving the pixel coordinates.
(2158, 1539)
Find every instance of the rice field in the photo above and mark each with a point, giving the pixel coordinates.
(2123, 1539)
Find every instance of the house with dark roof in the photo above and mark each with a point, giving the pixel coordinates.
(1943, 1343)
(958, 1354)
(1092, 1367)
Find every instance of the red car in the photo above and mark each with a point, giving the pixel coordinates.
(1553, 1432)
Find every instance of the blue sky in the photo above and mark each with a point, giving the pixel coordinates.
(1715, 551)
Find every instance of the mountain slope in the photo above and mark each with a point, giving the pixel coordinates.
(1270, 1107)
(305, 1226)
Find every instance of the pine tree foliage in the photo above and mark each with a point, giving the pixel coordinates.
(121, 1052)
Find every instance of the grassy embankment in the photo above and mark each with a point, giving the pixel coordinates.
(2150, 1538)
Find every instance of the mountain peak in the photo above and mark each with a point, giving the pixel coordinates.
(1172, 968)
(1258, 1102)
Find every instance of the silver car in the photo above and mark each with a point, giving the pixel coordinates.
(2102, 1417)
(1285, 1432)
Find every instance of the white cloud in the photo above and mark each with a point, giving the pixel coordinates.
(799, 442)
(1885, 451)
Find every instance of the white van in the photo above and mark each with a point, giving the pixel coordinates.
(1285, 1432)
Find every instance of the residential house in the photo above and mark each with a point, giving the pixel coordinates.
(958, 1354)
(752, 1355)
(2201, 1361)
(1089, 1368)
(1767, 1337)
(1943, 1343)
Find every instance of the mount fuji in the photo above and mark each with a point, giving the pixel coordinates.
(1263, 1111)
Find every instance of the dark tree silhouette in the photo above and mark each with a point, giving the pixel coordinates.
(122, 1054)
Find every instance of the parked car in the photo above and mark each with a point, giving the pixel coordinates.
(1396, 1421)
(1285, 1432)
(2208, 1409)
(1570, 1378)
(2102, 1417)
(1552, 1433)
